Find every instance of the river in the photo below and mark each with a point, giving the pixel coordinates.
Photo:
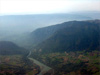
(43, 67)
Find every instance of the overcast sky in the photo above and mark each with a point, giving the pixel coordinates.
(8, 7)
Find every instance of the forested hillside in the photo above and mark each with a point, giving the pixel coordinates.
(9, 48)
(71, 36)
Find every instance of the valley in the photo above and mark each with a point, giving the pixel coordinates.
(69, 48)
(49, 37)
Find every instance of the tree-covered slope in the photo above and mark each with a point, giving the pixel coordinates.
(41, 34)
(78, 35)
(9, 48)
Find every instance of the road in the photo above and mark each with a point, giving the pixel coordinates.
(43, 67)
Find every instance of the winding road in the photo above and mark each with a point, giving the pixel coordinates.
(43, 67)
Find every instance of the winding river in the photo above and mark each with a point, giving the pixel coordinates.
(43, 67)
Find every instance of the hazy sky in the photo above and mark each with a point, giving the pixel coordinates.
(47, 6)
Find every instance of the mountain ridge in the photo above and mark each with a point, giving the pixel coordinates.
(9, 48)
(86, 31)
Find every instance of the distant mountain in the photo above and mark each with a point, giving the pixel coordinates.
(9, 48)
(40, 34)
(14, 25)
(26, 23)
(92, 14)
(71, 36)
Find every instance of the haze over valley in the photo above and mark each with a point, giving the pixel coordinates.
(49, 37)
